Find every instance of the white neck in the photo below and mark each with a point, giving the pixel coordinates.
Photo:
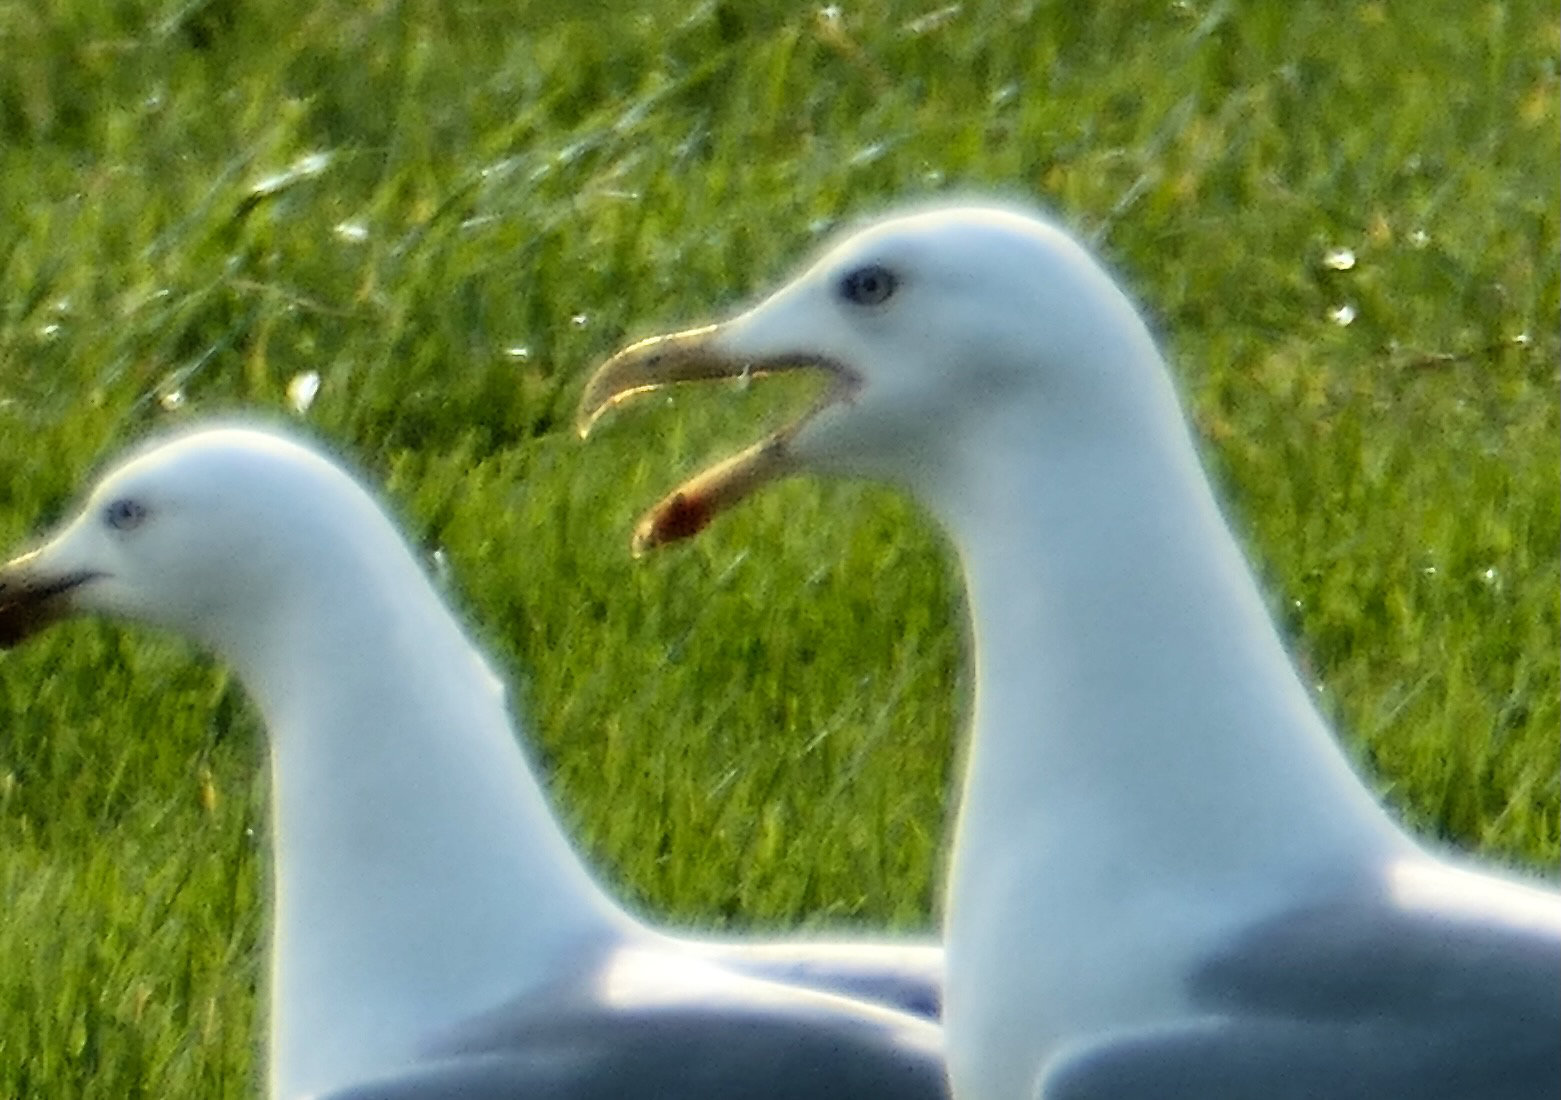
(1125, 658)
(420, 877)
(1141, 741)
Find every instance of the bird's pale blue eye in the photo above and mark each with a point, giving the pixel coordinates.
(124, 514)
(868, 286)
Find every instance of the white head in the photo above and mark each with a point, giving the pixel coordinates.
(938, 326)
(206, 533)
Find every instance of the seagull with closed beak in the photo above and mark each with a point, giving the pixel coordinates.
(435, 935)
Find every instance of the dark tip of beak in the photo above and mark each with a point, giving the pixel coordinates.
(29, 604)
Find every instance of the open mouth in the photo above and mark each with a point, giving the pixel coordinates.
(695, 356)
(26, 606)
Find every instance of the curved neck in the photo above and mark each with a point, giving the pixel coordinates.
(420, 877)
(1132, 691)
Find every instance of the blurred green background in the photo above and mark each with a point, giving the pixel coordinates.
(1342, 220)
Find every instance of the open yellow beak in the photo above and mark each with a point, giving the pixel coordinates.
(697, 355)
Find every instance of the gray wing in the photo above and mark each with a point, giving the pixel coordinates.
(677, 1056)
(905, 975)
(656, 1024)
(1219, 1059)
(1363, 998)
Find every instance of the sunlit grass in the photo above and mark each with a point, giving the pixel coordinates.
(449, 211)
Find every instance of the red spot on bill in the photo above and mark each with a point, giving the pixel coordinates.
(680, 516)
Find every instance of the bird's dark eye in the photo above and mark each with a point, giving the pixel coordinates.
(124, 514)
(868, 286)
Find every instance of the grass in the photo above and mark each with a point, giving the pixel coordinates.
(450, 210)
